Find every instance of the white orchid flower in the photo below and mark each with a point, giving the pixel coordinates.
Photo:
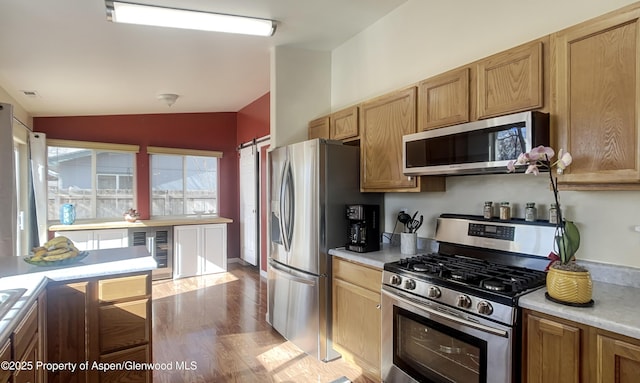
(533, 168)
(564, 159)
(541, 153)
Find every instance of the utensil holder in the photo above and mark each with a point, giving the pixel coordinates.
(408, 243)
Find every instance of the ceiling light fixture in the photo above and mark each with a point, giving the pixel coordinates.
(120, 12)
(168, 98)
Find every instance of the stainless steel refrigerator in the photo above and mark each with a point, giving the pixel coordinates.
(310, 184)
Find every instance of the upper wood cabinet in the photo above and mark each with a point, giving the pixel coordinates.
(596, 80)
(383, 122)
(510, 81)
(344, 124)
(443, 100)
(319, 128)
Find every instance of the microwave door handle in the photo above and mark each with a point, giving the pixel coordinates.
(448, 316)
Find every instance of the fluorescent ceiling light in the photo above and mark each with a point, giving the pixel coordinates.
(130, 13)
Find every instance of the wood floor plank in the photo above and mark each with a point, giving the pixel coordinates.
(218, 322)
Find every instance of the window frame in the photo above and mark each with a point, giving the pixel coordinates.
(96, 148)
(183, 153)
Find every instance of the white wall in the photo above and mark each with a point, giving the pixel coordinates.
(425, 37)
(18, 111)
(300, 91)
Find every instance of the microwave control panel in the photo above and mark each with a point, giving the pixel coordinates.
(506, 233)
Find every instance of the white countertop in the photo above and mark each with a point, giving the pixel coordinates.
(616, 308)
(377, 259)
(203, 219)
(16, 273)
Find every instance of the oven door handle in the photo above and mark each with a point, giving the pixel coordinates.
(417, 305)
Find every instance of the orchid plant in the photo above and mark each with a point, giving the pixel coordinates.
(567, 238)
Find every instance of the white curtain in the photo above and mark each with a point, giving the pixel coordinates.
(8, 198)
(38, 151)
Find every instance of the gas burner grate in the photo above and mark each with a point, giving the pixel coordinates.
(473, 272)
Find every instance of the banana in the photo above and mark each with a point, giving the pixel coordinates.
(57, 251)
(39, 252)
(57, 242)
(69, 253)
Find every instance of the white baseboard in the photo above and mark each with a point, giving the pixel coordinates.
(235, 260)
(263, 274)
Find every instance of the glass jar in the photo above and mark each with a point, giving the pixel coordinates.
(505, 211)
(488, 210)
(530, 212)
(553, 213)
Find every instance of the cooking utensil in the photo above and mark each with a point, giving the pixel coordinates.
(414, 224)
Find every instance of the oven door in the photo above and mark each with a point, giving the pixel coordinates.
(423, 341)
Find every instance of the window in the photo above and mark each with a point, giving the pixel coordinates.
(183, 181)
(96, 178)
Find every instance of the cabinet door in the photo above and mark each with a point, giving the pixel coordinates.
(383, 122)
(319, 128)
(141, 354)
(356, 325)
(82, 239)
(5, 356)
(186, 250)
(111, 238)
(344, 124)
(30, 356)
(510, 81)
(618, 361)
(214, 250)
(597, 90)
(553, 351)
(66, 329)
(444, 100)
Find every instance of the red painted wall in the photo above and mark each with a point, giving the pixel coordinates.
(254, 122)
(205, 131)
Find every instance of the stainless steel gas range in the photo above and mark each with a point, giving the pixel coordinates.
(453, 316)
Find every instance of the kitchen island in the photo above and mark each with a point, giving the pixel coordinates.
(97, 309)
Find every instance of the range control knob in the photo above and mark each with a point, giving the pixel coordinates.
(485, 308)
(464, 301)
(410, 284)
(433, 292)
(396, 280)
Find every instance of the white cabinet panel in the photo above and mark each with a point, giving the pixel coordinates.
(97, 239)
(199, 249)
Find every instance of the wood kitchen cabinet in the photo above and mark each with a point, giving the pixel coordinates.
(597, 92)
(100, 319)
(318, 128)
(511, 81)
(356, 314)
(199, 249)
(443, 100)
(344, 124)
(553, 350)
(383, 122)
(559, 350)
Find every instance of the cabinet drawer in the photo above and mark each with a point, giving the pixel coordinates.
(138, 354)
(5, 356)
(359, 275)
(114, 289)
(25, 331)
(31, 356)
(124, 324)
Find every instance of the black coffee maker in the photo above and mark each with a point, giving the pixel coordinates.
(364, 228)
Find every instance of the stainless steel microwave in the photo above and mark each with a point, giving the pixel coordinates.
(477, 147)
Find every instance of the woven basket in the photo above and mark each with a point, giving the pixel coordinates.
(569, 286)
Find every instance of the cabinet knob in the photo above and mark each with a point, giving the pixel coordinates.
(378, 306)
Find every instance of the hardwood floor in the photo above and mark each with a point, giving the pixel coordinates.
(216, 324)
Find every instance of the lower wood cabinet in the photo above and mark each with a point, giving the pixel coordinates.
(559, 350)
(100, 320)
(356, 314)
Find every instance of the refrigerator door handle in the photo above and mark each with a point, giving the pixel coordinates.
(286, 206)
(283, 273)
